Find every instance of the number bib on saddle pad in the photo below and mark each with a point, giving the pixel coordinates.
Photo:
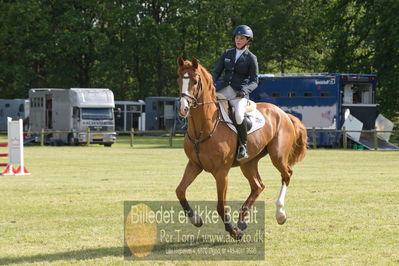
(256, 118)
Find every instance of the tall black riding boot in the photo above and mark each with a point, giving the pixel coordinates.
(242, 141)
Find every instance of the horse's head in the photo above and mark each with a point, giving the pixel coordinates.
(190, 86)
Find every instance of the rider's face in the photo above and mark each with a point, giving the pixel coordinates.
(241, 41)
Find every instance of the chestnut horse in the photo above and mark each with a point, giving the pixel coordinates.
(211, 145)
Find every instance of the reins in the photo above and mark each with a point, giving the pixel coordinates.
(195, 104)
(197, 141)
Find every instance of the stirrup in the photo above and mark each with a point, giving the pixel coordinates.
(242, 153)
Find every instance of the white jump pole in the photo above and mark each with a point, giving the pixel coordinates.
(15, 148)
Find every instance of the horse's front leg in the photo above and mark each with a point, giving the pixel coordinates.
(221, 183)
(250, 171)
(191, 172)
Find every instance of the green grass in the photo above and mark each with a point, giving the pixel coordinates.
(342, 205)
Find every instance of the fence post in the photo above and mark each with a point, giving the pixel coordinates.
(375, 139)
(314, 137)
(344, 138)
(88, 136)
(171, 137)
(131, 137)
(42, 137)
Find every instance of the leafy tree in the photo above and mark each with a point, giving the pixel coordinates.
(386, 57)
(364, 38)
(22, 51)
(132, 46)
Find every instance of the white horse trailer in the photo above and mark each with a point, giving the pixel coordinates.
(78, 113)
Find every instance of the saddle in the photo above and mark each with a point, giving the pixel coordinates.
(255, 119)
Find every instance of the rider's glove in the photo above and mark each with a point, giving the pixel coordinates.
(240, 94)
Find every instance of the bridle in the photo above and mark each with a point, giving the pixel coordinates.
(193, 100)
(193, 103)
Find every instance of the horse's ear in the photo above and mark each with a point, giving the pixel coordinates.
(195, 62)
(180, 61)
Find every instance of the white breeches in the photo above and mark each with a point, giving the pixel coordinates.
(239, 105)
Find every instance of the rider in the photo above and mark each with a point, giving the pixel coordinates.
(240, 78)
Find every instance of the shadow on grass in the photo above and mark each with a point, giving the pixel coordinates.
(83, 254)
(155, 147)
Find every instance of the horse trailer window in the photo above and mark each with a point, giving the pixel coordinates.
(275, 94)
(307, 94)
(358, 93)
(291, 94)
(324, 94)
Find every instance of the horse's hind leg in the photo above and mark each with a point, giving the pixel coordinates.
(279, 156)
(250, 171)
(191, 172)
(281, 216)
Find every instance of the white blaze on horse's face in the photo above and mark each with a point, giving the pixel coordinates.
(184, 105)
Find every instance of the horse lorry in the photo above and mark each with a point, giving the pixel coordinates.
(14, 108)
(327, 103)
(71, 116)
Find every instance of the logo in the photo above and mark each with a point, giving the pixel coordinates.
(160, 230)
(325, 82)
(140, 230)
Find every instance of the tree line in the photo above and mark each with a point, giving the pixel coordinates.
(131, 46)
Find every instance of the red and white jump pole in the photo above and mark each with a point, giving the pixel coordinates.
(15, 149)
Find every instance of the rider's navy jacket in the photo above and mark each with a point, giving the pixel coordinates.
(240, 75)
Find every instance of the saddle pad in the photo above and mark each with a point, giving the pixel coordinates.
(255, 116)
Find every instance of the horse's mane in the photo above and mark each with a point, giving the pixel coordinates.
(208, 79)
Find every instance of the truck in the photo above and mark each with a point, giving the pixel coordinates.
(71, 116)
(327, 102)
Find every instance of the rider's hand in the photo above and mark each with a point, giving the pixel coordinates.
(240, 94)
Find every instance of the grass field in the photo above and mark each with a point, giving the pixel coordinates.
(343, 205)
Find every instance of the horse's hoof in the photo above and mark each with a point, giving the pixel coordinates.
(242, 225)
(196, 220)
(236, 234)
(281, 219)
(239, 234)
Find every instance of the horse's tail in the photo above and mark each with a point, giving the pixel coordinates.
(301, 138)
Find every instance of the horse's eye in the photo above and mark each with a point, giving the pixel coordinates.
(195, 82)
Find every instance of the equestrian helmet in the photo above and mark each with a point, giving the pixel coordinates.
(243, 30)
